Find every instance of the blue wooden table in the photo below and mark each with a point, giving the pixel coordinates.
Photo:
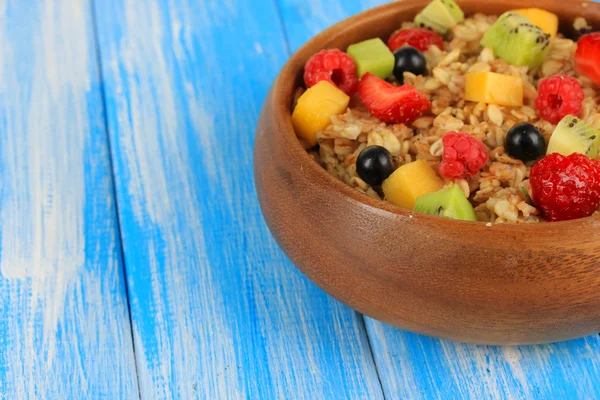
(134, 261)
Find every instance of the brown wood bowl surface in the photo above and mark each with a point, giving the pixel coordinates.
(465, 281)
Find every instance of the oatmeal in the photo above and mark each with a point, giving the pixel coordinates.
(459, 110)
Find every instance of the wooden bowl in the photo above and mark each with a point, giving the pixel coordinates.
(465, 281)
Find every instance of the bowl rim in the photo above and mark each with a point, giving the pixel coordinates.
(283, 90)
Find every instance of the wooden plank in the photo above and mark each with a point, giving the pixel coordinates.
(414, 366)
(64, 331)
(217, 309)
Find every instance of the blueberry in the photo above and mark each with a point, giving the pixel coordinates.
(409, 59)
(524, 142)
(374, 164)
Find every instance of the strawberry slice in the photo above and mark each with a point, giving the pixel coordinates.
(587, 56)
(390, 103)
(419, 38)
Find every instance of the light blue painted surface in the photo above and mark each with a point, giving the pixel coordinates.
(218, 311)
(64, 324)
(419, 367)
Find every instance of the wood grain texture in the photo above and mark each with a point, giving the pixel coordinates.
(64, 330)
(414, 366)
(217, 310)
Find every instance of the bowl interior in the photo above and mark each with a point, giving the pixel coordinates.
(381, 22)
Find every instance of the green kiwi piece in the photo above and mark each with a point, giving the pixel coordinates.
(455, 10)
(572, 135)
(372, 56)
(437, 17)
(516, 40)
(449, 203)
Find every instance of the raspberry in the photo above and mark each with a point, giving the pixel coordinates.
(417, 37)
(390, 103)
(463, 155)
(333, 66)
(566, 187)
(558, 96)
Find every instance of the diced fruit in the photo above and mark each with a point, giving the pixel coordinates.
(456, 12)
(572, 135)
(390, 103)
(557, 97)
(409, 59)
(516, 40)
(524, 142)
(566, 187)
(372, 56)
(333, 66)
(439, 16)
(545, 20)
(587, 56)
(494, 88)
(449, 203)
(315, 108)
(409, 182)
(374, 165)
(463, 155)
(419, 38)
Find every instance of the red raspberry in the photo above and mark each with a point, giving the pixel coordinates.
(566, 187)
(417, 37)
(390, 103)
(463, 155)
(558, 96)
(333, 66)
(587, 56)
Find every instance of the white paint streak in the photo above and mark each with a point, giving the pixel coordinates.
(45, 80)
(513, 357)
(42, 219)
(158, 160)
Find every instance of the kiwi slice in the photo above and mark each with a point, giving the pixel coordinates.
(572, 135)
(455, 10)
(437, 16)
(449, 203)
(515, 39)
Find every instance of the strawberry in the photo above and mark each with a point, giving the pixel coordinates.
(566, 187)
(419, 38)
(390, 103)
(587, 56)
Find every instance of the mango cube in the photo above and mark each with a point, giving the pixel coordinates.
(372, 56)
(493, 88)
(409, 182)
(315, 108)
(545, 20)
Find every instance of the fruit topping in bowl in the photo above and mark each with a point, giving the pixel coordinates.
(515, 39)
(463, 155)
(408, 59)
(391, 103)
(572, 135)
(449, 203)
(525, 142)
(566, 187)
(479, 118)
(333, 66)
(558, 96)
(374, 165)
(419, 38)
